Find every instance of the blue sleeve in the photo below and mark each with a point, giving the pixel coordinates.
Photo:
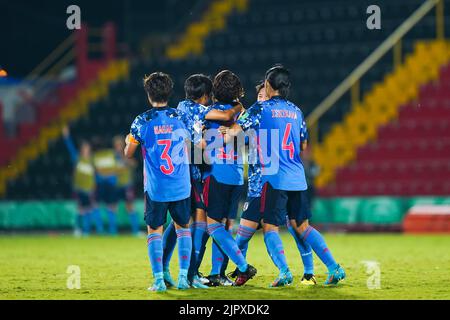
(193, 127)
(136, 128)
(72, 149)
(202, 112)
(304, 135)
(251, 118)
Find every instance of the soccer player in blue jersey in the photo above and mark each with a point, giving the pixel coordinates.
(198, 90)
(162, 133)
(280, 127)
(251, 218)
(224, 180)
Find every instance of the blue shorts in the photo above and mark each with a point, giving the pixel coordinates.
(197, 195)
(85, 200)
(276, 203)
(156, 212)
(221, 200)
(107, 193)
(252, 210)
(125, 194)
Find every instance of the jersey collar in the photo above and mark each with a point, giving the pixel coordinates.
(162, 108)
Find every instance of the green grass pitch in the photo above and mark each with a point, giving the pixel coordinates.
(34, 267)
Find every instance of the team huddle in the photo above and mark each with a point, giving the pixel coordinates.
(194, 159)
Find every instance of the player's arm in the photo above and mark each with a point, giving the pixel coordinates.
(247, 120)
(131, 145)
(224, 115)
(304, 135)
(303, 145)
(230, 132)
(70, 145)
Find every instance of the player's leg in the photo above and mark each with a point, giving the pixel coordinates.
(132, 214)
(220, 260)
(111, 210)
(200, 236)
(180, 212)
(96, 216)
(217, 210)
(84, 208)
(155, 217)
(111, 206)
(249, 223)
(305, 251)
(224, 279)
(273, 207)
(236, 195)
(96, 213)
(169, 243)
(308, 234)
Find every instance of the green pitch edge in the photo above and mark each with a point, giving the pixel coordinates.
(54, 215)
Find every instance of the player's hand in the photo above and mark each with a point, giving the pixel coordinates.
(65, 131)
(127, 139)
(223, 130)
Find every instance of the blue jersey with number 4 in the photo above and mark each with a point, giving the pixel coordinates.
(162, 134)
(281, 129)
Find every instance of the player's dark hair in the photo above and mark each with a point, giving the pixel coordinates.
(259, 86)
(227, 87)
(159, 87)
(197, 85)
(278, 78)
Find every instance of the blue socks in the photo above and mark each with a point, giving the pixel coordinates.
(218, 257)
(169, 243)
(97, 219)
(226, 242)
(85, 223)
(225, 261)
(305, 251)
(317, 242)
(244, 235)
(184, 240)
(134, 222)
(112, 218)
(199, 238)
(155, 252)
(202, 250)
(276, 251)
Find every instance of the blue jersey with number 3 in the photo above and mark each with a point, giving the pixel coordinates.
(162, 134)
(281, 130)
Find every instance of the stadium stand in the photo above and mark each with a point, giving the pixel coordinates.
(251, 37)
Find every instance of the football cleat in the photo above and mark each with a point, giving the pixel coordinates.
(243, 277)
(213, 280)
(183, 283)
(233, 274)
(197, 283)
(158, 286)
(284, 279)
(338, 274)
(168, 280)
(308, 280)
(225, 281)
(202, 279)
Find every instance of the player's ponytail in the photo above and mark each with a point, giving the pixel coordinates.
(278, 78)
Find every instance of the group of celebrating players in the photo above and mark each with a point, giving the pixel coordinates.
(102, 177)
(202, 193)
